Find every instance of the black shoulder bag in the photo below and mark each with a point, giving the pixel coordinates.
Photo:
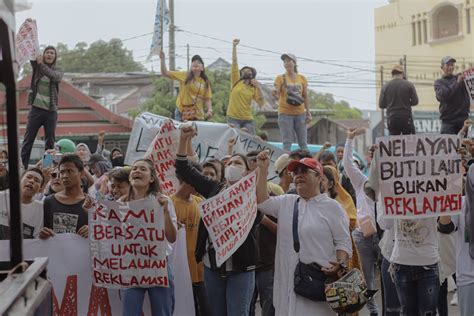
(292, 97)
(309, 279)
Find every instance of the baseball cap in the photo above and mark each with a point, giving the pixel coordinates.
(447, 59)
(311, 163)
(282, 162)
(288, 55)
(397, 68)
(198, 58)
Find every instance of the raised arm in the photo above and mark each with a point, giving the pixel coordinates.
(353, 172)
(163, 69)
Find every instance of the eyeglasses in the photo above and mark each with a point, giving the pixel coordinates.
(54, 175)
(302, 170)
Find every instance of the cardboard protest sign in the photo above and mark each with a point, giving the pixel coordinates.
(469, 82)
(27, 45)
(162, 152)
(211, 141)
(69, 271)
(419, 176)
(128, 244)
(229, 216)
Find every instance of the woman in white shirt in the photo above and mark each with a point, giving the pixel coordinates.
(323, 230)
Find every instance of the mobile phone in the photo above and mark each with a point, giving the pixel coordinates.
(47, 160)
(57, 158)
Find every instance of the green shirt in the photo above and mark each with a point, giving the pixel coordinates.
(43, 99)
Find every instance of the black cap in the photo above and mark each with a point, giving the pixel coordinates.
(198, 58)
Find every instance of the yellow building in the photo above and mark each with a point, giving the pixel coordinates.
(424, 31)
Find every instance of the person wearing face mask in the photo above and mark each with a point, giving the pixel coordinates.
(194, 90)
(235, 279)
(43, 99)
(453, 98)
(117, 158)
(244, 89)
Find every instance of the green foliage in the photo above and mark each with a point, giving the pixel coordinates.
(163, 103)
(342, 109)
(99, 56)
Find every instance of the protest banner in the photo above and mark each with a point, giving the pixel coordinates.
(469, 82)
(162, 151)
(211, 141)
(128, 244)
(419, 176)
(70, 274)
(27, 45)
(229, 216)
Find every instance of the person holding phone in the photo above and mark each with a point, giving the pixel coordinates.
(291, 90)
(244, 89)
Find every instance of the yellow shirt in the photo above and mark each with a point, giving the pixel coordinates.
(195, 92)
(241, 96)
(299, 84)
(188, 214)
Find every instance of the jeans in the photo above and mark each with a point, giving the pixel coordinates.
(369, 252)
(249, 125)
(291, 125)
(177, 115)
(451, 127)
(231, 295)
(38, 117)
(264, 280)
(390, 296)
(417, 288)
(400, 125)
(443, 299)
(161, 299)
(201, 302)
(465, 295)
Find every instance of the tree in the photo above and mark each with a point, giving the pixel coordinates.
(99, 56)
(164, 103)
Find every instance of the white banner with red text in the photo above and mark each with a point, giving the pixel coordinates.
(27, 44)
(69, 270)
(229, 216)
(420, 176)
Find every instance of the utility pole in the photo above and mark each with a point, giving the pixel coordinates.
(172, 50)
(405, 66)
(382, 110)
(187, 54)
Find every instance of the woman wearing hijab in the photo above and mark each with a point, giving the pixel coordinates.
(43, 99)
(83, 151)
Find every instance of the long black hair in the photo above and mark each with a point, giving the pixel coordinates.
(203, 75)
(154, 186)
(331, 190)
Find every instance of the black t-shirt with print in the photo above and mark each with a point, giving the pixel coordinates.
(63, 218)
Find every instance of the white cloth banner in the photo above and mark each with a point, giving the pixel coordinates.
(128, 244)
(211, 141)
(162, 152)
(70, 274)
(229, 216)
(469, 81)
(27, 45)
(156, 42)
(420, 176)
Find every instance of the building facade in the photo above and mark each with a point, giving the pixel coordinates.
(418, 33)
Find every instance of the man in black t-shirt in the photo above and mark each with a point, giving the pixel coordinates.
(63, 212)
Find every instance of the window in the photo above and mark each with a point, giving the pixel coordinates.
(445, 22)
(419, 32)
(468, 21)
(413, 31)
(425, 31)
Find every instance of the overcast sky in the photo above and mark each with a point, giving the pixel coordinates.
(337, 36)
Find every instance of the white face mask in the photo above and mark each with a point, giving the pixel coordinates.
(233, 173)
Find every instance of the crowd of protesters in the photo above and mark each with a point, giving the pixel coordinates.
(322, 211)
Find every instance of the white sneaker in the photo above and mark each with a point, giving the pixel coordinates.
(454, 301)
